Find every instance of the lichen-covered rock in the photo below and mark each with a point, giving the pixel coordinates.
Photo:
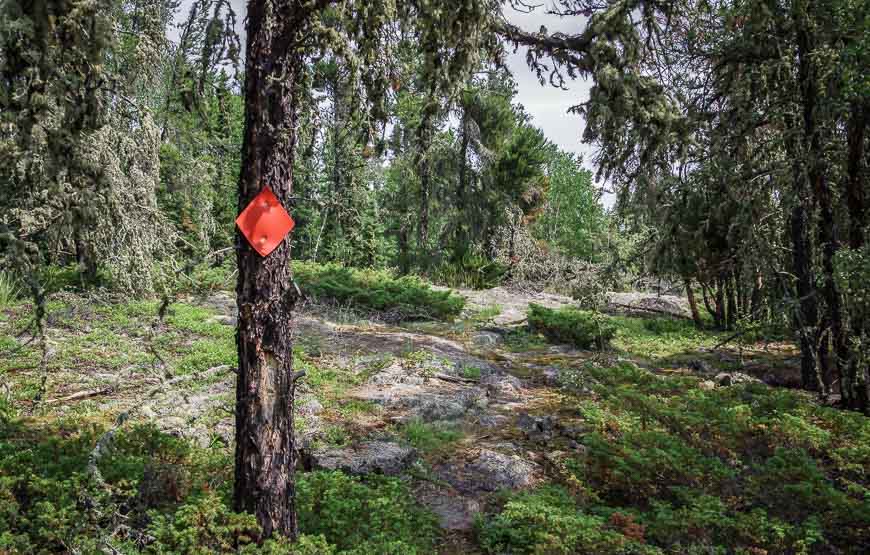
(502, 385)
(730, 378)
(489, 471)
(454, 511)
(378, 457)
(486, 338)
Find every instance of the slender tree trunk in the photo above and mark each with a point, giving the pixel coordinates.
(265, 454)
(857, 377)
(755, 297)
(832, 322)
(720, 303)
(731, 302)
(693, 305)
(460, 245)
(425, 189)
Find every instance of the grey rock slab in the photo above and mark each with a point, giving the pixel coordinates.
(726, 379)
(489, 471)
(486, 338)
(454, 511)
(378, 457)
(309, 407)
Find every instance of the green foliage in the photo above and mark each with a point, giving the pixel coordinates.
(9, 290)
(178, 494)
(726, 470)
(661, 337)
(474, 271)
(404, 298)
(583, 329)
(363, 517)
(549, 520)
(572, 219)
(430, 437)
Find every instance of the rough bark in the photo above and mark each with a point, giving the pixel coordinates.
(693, 305)
(816, 174)
(265, 454)
(857, 378)
(807, 312)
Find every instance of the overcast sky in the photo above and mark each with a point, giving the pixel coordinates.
(547, 105)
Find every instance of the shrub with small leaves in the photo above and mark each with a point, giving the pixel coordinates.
(580, 328)
(404, 298)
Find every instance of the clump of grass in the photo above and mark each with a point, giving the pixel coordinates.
(430, 437)
(660, 337)
(471, 372)
(9, 291)
(581, 328)
(404, 298)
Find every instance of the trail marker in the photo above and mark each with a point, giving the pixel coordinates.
(264, 222)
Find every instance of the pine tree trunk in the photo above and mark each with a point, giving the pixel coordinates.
(857, 379)
(265, 454)
(693, 305)
(832, 321)
(460, 240)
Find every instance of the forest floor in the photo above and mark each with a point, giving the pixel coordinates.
(464, 411)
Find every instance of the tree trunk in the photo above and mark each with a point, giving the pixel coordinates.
(693, 305)
(460, 245)
(720, 303)
(265, 454)
(816, 172)
(731, 302)
(756, 298)
(857, 378)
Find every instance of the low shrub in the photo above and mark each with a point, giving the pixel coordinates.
(548, 520)
(581, 328)
(164, 494)
(741, 469)
(376, 515)
(404, 298)
(430, 437)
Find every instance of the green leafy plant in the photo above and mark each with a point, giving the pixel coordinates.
(430, 437)
(9, 290)
(406, 298)
(375, 515)
(581, 328)
(549, 520)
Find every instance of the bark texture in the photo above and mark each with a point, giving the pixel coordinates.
(265, 454)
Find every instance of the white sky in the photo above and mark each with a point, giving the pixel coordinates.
(547, 105)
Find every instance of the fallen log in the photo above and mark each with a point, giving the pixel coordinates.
(79, 395)
(655, 310)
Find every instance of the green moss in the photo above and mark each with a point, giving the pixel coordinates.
(659, 338)
(430, 437)
(205, 354)
(580, 328)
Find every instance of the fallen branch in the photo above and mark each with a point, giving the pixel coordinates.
(178, 379)
(729, 339)
(655, 310)
(452, 379)
(77, 396)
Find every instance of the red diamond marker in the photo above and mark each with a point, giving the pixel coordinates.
(264, 222)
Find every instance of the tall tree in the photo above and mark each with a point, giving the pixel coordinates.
(282, 39)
